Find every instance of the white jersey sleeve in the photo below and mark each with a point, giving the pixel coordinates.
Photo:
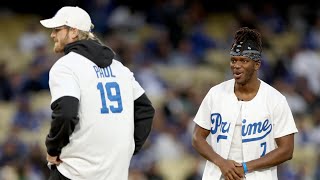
(63, 82)
(283, 119)
(202, 117)
(137, 89)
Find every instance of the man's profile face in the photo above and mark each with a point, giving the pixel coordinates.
(60, 36)
(243, 68)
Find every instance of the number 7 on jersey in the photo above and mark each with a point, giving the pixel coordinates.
(113, 97)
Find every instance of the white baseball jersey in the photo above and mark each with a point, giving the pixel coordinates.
(102, 143)
(266, 117)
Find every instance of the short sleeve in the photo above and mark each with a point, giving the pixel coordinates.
(283, 119)
(203, 115)
(137, 89)
(63, 82)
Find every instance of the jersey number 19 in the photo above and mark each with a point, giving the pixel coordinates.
(114, 96)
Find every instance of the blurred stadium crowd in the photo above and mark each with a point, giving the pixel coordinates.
(177, 49)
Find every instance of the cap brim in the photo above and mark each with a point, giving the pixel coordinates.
(51, 23)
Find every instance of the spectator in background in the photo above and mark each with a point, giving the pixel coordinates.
(159, 47)
(151, 81)
(183, 55)
(17, 80)
(313, 34)
(100, 11)
(200, 41)
(170, 14)
(246, 16)
(315, 133)
(25, 118)
(34, 166)
(303, 138)
(123, 19)
(13, 151)
(306, 65)
(282, 68)
(286, 172)
(32, 38)
(6, 93)
(302, 87)
(36, 79)
(296, 102)
(270, 18)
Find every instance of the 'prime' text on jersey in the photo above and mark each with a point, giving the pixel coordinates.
(249, 131)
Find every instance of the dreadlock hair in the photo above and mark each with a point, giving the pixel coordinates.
(245, 34)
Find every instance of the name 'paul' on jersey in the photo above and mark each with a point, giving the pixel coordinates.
(103, 72)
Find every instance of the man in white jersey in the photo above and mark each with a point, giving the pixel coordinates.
(250, 124)
(101, 115)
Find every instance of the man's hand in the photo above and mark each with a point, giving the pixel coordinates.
(53, 159)
(231, 170)
(240, 170)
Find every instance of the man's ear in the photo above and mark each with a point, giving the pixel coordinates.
(74, 33)
(257, 65)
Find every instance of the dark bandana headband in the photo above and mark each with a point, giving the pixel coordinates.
(247, 49)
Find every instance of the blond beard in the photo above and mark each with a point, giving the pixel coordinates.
(59, 48)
